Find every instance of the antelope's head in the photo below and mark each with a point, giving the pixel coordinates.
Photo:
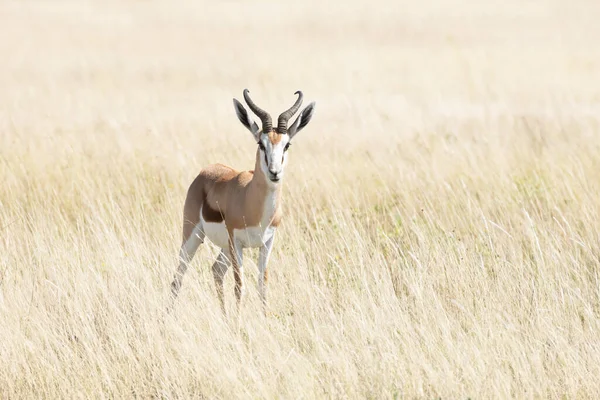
(273, 144)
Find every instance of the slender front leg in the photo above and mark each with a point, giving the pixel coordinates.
(235, 252)
(219, 268)
(263, 259)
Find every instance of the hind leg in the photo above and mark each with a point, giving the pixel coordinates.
(186, 254)
(236, 257)
(219, 269)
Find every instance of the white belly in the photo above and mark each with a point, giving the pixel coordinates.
(248, 237)
(216, 232)
(253, 236)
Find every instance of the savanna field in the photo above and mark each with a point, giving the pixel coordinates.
(441, 236)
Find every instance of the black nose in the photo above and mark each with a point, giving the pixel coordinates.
(274, 175)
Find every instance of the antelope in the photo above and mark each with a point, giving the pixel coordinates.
(241, 209)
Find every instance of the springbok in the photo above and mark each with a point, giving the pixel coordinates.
(241, 209)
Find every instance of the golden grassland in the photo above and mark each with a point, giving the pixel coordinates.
(441, 235)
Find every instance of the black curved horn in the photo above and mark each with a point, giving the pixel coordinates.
(286, 115)
(267, 125)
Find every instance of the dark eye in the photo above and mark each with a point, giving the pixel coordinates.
(287, 146)
(261, 146)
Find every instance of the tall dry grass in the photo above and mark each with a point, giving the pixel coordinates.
(441, 236)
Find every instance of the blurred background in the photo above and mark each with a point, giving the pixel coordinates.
(373, 67)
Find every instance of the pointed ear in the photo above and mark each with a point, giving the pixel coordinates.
(302, 120)
(245, 119)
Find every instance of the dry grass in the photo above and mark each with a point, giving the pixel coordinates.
(441, 236)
